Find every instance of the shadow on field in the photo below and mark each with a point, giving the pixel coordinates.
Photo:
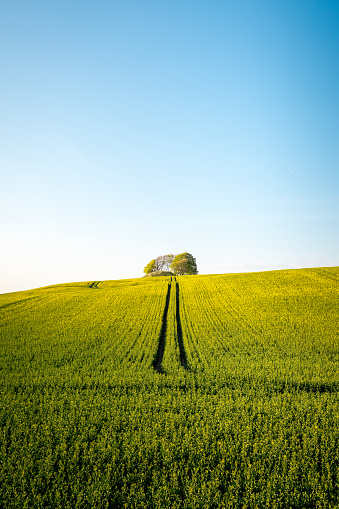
(189, 386)
(311, 387)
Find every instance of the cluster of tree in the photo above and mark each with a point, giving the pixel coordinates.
(180, 264)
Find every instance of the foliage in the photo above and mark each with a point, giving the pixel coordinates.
(160, 273)
(252, 422)
(150, 267)
(184, 263)
(163, 263)
(159, 264)
(180, 264)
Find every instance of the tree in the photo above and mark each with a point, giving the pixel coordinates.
(180, 267)
(163, 262)
(158, 263)
(184, 263)
(180, 264)
(150, 267)
(168, 259)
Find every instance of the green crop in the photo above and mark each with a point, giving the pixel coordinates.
(243, 411)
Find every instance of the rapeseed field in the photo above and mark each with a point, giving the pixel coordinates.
(217, 391)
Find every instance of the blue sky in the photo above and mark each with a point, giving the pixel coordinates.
(133, 129)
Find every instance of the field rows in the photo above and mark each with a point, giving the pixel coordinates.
(280, 326)
(77, 331)
(249, 419)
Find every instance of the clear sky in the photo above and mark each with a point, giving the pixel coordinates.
(135, 128)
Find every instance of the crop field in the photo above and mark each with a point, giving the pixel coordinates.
(216, 391)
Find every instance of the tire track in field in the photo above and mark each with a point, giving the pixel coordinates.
(179, 335)
(162, 338)
(94, 285)
(21, 301)
(183, 358)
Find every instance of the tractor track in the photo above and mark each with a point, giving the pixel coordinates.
(162, 338)
(94, 285)
(179, 335)
(183, 359)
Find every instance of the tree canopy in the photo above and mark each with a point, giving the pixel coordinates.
(184, 263)
(150, 267)
(180, 264)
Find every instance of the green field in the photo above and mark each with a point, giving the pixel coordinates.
(187, 392)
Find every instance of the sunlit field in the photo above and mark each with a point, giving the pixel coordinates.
(213, 391)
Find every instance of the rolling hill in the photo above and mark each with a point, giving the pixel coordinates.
(191, 391)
